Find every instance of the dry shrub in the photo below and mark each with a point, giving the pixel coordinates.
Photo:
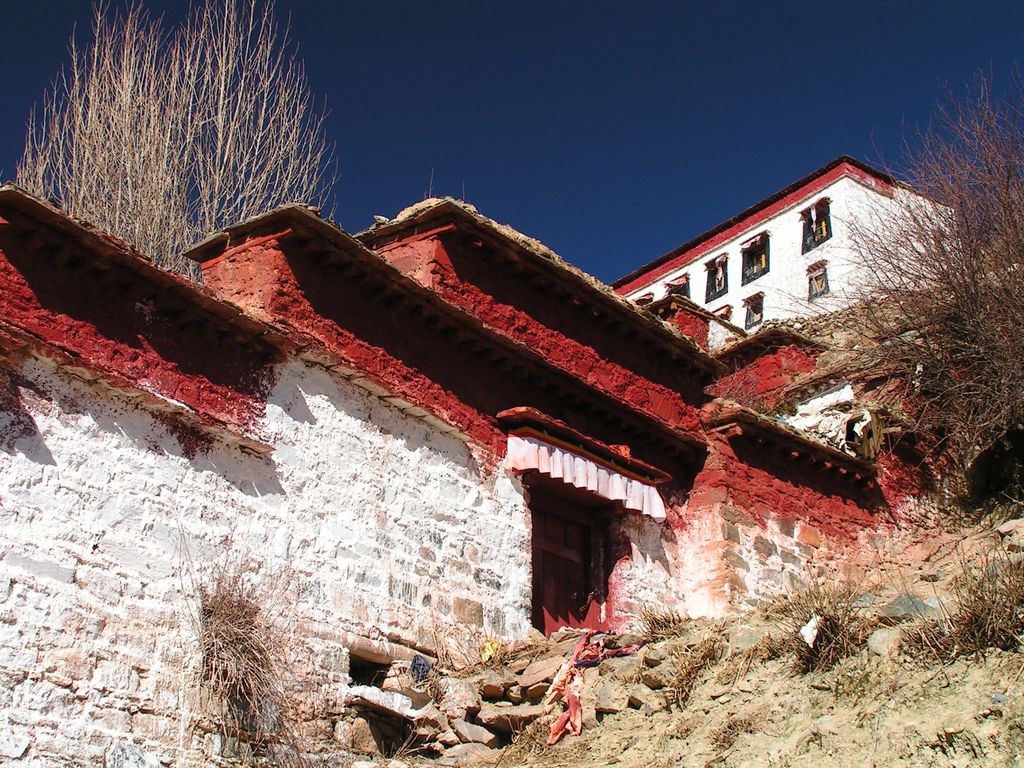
(988, 612)
(690, 663)
(244, 669)
(725, 737)
(529, 742)
(768, 648)
(460, 649)
(841, 627)
(659, 623)
(944, 276)
(136, 135)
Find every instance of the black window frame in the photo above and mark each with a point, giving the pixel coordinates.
(713, 291)
(814, 271)
(753, 303)
(679, 287)
(756, 249)
(817, 221)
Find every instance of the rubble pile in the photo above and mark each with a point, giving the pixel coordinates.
(452, 717)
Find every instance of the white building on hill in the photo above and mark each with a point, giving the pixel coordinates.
(789, 255)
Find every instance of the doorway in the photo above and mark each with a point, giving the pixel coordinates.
(570, 557)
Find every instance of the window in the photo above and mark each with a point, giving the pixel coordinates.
(718, 278)
(755, 310)
(679, 287)
(755, 258)
(817, 280)
(644, 300)
(817, 225)
(724, 312)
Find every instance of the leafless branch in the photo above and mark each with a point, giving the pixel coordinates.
(946, 290)
(160, 138)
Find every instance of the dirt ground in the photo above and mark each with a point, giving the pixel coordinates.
(890, 703)
(865, 712)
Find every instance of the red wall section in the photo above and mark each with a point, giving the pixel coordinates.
(770, 484)
(411, 350)
(467, 274)
(759, 383)
(693, 325)
(271, 278)
(131, 326)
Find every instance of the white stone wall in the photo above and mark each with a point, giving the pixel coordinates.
(368, 517)
(785, 284)
(676, 569)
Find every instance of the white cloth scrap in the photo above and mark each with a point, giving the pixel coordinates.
(532, 453)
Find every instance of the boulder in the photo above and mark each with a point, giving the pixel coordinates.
(646, 700)
(492, 685)
(655, 656)
(459, 698)
(431, 717)
(611, 697)
(508, 719)
(905, 607)
(448, 738)
(540, 671)
(884, 642)
(359, 735)
(535, 692)
(566, 635)
(638, 696)
(1011, 527)
(622, 668)
(656, 678)
(469, 733)
(628, 639)
(461, 753)
(389, 702)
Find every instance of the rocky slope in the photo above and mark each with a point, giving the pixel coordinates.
(906, 690)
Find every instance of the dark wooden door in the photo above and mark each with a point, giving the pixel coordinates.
(567, 588)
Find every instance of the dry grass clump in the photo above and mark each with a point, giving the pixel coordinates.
(529, 742)
(659, 623)
(840, 629)
(988, 612)
(725, 737)
(243, 668)
(689, 664)
(462, 650)
(768, 648)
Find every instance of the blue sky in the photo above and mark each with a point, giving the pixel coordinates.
(611, 131)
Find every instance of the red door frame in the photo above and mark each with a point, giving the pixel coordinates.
(570, 551)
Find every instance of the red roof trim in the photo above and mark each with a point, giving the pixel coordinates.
(753, 216)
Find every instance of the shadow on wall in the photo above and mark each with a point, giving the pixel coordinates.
(146, 327)
(43, 387)
(649, 537)
(18, 430)
(298, 386)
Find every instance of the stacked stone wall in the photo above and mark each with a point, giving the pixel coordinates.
(374, 522)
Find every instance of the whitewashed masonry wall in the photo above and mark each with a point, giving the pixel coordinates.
(378, 523)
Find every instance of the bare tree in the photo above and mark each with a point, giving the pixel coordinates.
(160, 138)
(946, 291)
